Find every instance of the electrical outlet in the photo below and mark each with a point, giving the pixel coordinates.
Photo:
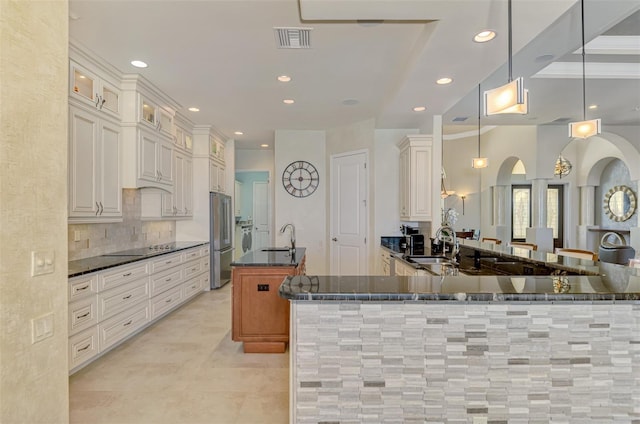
(263, 287)
(42, 328)
(42, 262)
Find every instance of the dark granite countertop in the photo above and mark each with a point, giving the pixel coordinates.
(551, 260)
(123, 257)
(271, 257)
(496, 288)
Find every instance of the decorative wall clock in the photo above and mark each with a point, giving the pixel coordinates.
(300, 178)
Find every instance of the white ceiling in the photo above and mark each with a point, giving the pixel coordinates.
(222, 57)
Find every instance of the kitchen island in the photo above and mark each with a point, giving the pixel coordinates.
(465, 349)
(260, 318)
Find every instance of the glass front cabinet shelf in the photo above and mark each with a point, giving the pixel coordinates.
(93, 90)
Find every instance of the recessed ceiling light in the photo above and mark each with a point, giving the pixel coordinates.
(350, 102)
(264, 145)
(139, 64)
(484, 36)
(443, 81)
(288, 101)
(193, 109)
(284, 78)
(593, 106)
(238, 133)
(419, 109)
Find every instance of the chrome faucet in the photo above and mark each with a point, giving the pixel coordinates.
(447, 234)
(292, 249)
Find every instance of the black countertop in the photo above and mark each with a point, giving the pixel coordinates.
(495, 288)
(271, 257)
(123, 257)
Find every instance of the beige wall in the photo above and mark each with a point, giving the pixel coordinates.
(33, 193)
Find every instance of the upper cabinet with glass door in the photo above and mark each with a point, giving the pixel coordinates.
(156, 116)
(93, 90)
(183, 138)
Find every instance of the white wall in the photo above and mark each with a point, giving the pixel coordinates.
(307, 214)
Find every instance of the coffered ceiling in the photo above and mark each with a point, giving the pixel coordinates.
(366, 60)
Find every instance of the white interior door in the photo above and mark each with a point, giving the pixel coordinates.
(261, 233)
(349, 214)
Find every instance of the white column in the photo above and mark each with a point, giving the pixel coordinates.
(538, 233)
(499, 205)
(539, 203)
(587, 206)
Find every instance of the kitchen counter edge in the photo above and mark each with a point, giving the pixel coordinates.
(93, 264)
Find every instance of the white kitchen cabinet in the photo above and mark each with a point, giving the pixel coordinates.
(155, 117)
(179, 203)
(95, 189)
(183, 139)
(406, 270)
(83, 347)
(416, 164)
(149, 135)
(155, 167)
(93, 90)
(216, 177)
(108, 307)
(386, 263)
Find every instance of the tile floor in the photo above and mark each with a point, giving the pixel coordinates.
(184, 370)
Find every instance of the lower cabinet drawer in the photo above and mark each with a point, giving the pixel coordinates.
(117, 328)
(166, 280)
(113, 301)
(83, 314)
(83, 346)
(192, 269)
(190, 288)
(166, 301)
(83, 286)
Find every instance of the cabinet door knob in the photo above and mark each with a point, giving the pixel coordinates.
(334, 239)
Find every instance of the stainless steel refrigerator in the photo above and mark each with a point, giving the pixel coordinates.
(220, 230)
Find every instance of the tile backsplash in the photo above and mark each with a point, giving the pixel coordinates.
(87, 240)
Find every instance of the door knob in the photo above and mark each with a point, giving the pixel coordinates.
(334, 239)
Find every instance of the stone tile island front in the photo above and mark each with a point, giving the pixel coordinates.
(464, 349)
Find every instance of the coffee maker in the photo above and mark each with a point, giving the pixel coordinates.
(414, 241)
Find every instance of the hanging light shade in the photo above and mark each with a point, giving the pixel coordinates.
(443, 190)
(585, 128)
(511, 97)
(479, 162)
(562, 168)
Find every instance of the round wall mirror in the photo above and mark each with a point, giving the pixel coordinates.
(620, 203)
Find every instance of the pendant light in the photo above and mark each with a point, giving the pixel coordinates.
(584, 128)
(479, 162)
(511, 97)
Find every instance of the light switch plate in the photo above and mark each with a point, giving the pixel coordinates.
(42, 262)
(42, 328)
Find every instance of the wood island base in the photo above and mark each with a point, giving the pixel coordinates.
(264, 347)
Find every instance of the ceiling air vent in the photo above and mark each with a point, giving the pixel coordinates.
(293, 38)
(459, 119)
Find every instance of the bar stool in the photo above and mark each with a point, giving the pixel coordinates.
(491, 240)
(577, 253)
(523, 245)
